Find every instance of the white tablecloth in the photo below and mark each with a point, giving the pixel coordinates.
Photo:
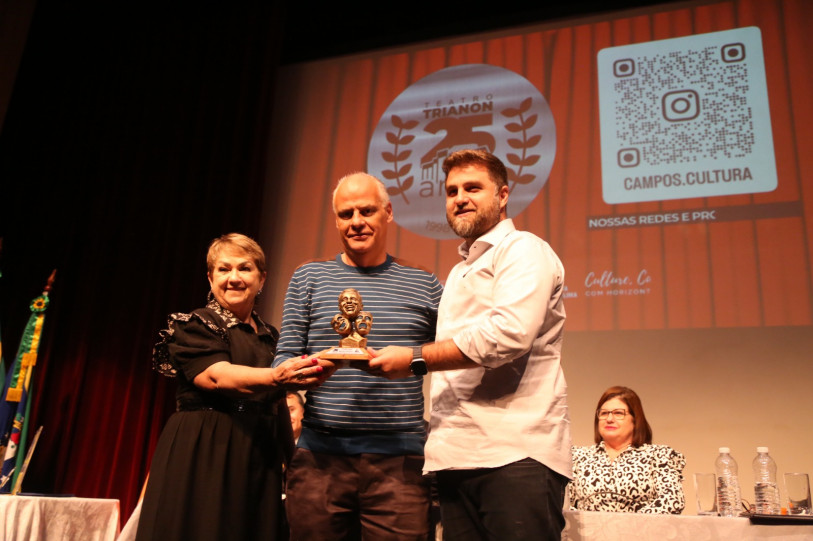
(40, 518)
(595, 526)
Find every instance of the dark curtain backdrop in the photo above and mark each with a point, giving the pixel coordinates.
(132, 138)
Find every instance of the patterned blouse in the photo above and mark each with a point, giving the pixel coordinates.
(645, 479)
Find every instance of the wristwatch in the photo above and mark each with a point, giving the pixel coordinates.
(418, 365)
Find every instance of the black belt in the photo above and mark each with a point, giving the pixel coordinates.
(251, 407)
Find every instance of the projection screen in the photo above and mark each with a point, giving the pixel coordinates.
(662, 153)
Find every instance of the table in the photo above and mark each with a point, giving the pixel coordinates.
(43, 518)
(599, 526)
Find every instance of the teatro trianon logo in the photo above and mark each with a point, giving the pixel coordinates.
(467, 106)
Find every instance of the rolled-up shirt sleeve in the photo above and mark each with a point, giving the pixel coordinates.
(518, 292)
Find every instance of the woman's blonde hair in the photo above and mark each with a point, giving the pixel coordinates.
(238, 240)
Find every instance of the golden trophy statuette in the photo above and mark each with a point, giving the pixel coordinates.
(352, 324)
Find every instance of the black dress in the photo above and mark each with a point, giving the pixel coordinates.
(216, 471)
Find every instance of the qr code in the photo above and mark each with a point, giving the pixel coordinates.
(685, 117)
(657, 120)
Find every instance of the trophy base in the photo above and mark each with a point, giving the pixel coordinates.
(345, 354)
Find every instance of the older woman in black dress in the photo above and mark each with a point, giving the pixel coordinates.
(216, 471)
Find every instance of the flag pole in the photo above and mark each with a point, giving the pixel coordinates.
(2, 363)
(18, 389)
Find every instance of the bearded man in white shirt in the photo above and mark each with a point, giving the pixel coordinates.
(499, 440)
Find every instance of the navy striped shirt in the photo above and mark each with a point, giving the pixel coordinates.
(354, 412)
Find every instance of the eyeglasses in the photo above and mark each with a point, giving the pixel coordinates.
(617, 414)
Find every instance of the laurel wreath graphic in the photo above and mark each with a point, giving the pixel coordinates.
(399, 140)
(522, 126)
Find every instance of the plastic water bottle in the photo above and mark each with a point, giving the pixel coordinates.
(766, 493)
(728, 486)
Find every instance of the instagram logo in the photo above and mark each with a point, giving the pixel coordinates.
(680, 105)
(624, 67)
(628, 157)
(733, 52)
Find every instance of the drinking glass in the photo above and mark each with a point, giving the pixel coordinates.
(705, 490)
(798, 488)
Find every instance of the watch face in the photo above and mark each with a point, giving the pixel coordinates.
(418, 367)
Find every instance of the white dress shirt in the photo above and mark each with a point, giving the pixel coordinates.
(502, 307)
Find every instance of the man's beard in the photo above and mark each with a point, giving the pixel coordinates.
(484, 219)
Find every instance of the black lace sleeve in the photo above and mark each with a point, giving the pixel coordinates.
(188, 336)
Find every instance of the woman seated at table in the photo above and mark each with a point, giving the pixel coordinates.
(624, 472)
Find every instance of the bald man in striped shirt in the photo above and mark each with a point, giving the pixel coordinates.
(357, 468)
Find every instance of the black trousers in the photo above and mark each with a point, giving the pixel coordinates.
(518, 501)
